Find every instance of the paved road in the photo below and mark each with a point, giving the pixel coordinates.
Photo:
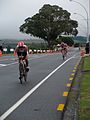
(37, 99)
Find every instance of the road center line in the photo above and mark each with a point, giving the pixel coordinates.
(18, 103)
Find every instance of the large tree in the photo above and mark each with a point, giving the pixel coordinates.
(49, 23)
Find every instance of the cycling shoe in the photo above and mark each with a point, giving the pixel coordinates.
(27, 69)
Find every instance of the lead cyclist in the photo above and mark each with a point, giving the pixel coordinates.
(22, 50)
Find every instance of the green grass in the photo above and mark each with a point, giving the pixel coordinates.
(84, 108)
(86, 65)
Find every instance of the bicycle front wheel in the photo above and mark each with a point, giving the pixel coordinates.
(63, 57)
(21, 72)
(25, 76)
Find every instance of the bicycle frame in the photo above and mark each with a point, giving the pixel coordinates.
(22, 69)
(64, 52)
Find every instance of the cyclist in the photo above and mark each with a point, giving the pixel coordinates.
(63, 48)
(22, 49)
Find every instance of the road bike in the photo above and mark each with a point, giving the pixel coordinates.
(64, 53)
(22, 69)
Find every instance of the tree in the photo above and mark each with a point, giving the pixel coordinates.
(74, 32)
(68, 40)
(49, 23)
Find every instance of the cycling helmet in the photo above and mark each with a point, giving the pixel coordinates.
(21, 43)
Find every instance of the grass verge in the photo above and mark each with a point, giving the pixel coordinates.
(84, 106)
(86, 65)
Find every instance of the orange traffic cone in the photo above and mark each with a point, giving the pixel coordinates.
(14, 53)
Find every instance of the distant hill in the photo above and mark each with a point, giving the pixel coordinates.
(13, 42)
(36, 40)
(80, 39)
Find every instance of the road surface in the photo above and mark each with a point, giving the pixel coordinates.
(39, 97)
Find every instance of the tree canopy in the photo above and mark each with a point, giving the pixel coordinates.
(49, 23)
(68, 40)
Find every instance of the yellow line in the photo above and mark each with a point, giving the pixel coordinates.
(72, 74)
(60, 107)
(68, 85)
(76, 65)
(71, 78)
(74, 70)
(65, 94)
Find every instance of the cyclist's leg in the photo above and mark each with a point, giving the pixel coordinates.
(20, 71)
(26, 59)
(66, 52)
(26, 62)
(19, 68)
(20, 56)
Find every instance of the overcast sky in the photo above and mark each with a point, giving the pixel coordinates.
(14, 12)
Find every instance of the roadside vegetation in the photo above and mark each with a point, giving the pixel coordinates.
(84, 108)
(78, 102)
(49, 24)
(86, 65)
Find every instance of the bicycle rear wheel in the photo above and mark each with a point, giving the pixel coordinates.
(63, 54)
(63, 57)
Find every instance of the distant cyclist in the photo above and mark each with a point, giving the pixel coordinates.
(22, 50)
(63, 49)
(63, 46)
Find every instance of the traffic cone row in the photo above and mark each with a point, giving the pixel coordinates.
(82, 53)
(0, 53)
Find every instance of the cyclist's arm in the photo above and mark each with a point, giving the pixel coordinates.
(27, 50)
(15, 52)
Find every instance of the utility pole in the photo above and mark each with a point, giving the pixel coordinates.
(88, 16)
(89, 26)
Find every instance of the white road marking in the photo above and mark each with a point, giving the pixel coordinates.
(76, 55)
(12, 63)
(2, 65)
(18, 103)
(33, 57)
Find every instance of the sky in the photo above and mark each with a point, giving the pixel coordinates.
(14, 12)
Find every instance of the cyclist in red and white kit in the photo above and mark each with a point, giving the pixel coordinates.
(63, 46)
(22, 50)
